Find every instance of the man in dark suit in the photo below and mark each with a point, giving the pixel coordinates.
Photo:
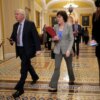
(0, 44)
(49, 40)
(27, 44)
(76, 33)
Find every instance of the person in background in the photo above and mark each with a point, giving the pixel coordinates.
(27, 44)
(76, 33)
(49, 41)
(45, 36)
(70, 20)
(63, 48)
(86, 35)
(96, 32)
(0, 44)
(82, 35)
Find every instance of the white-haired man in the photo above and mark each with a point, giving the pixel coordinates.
(27, 44)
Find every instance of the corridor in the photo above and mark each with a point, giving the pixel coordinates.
(85, 70)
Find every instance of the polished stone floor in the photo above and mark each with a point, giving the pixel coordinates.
(85, 70)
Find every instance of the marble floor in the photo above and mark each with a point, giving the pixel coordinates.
(85, 70)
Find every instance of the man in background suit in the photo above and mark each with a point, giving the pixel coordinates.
(76, 33)
(27, 44)
(0, 44)
(49, 40)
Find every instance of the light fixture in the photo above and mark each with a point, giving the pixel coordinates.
(70, 6)
(70, 9)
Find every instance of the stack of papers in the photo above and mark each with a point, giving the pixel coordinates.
(93, 44)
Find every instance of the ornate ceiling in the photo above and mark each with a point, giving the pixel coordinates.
(58, 4)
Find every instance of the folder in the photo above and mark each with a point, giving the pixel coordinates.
(50, 31)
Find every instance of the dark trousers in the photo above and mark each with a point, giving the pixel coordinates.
(49, 45)
(55, 77)
(86, 39)
(25, 67)
(76, 47)
(45, 44)
(98, 59)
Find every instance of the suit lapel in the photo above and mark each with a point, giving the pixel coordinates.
(64, 30)
(65, 26)
(16, 28)
(24, 30)
(57, 29)
(24, 27)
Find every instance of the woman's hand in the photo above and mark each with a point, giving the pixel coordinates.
(56, 38)
(67, 53)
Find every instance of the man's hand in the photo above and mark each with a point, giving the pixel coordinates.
(38, 53)
(11, 41)
(67, 53)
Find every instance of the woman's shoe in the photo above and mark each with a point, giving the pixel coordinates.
(52, 89)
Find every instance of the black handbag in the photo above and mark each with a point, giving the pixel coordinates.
(52, 55)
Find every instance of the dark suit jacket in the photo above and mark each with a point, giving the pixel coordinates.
(31, 42)
(79, 32)
(96, 29)
(96, 33)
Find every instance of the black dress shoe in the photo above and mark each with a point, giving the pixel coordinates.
(34, 81)
(71, 83)
(16, 87)
(18, 93)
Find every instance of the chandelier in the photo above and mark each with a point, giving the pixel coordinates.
(70, 6)
(70, 9)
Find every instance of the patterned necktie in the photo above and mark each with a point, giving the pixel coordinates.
(18, 34)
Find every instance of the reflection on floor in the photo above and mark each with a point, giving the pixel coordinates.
(85, 70)
(8, 56)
